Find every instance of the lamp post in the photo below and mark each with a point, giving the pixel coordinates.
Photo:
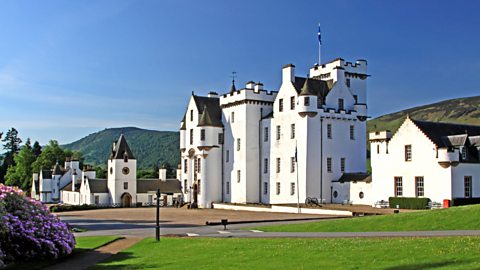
(157, 227)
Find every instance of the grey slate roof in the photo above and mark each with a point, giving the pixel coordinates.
(97, 185)
(207, 120)
(58, 170)
(307, 88)
(212, 105)
(121, 149)
(355, 177)
(314, 87)
(46, 174)
(69, 187)
(168, 186)
(437, 132)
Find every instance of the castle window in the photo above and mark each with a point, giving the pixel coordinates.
(238, 176)
(319, 103)
(265, 188)
(355, 97)
(278, 188)
(199, 160)
(292, 131)
(280, 105)
(220, 138)
(419, 186)
(198, 187)
(278, 133)
(191, 115)
(202, 134)
(191, 136)
(352, 132)
(292, 103)
(292, 164)
(238, 144)
(227, 187)
(232, 119)
(265, 165)
(329, 131)
(125, 185)
(97, 199)
(329, 164)
(185, 162)
(227, 156)
(347, 82)
(292, 188)
(306, 101)
(464, 153)
(342, 164)
(278, 165)
(398, 186)
(265, 134)
(125, 157)
(408, 152)
(340, 104)
(378, 148)
(185, 186)
(467, 186)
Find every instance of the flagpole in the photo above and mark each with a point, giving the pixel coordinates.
(319, 46)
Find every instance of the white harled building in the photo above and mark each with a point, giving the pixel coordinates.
(308, 139)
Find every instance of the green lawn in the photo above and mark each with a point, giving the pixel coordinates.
(275, 253)
(455, 218)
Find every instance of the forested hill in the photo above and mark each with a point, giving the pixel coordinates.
(459, 110)
(150, 147)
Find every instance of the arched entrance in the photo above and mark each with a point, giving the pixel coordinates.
(126, 199)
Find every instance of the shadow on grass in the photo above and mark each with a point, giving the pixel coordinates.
(119, 257)
(429, 265)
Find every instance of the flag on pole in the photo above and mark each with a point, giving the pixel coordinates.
(319, 35)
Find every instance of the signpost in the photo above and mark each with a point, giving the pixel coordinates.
(157, 227)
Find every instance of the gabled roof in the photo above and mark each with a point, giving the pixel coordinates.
(314, 87)
(97, 185)
(168, 186)
(58, 170)
(355, 177)
(69, 187)
(438, 132)
(455, 140)
(212, 105)
(121, 149)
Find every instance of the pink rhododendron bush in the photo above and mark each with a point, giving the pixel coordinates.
(28, 231)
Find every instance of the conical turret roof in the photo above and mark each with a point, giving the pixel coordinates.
(206, 120)
(233, 88)
(307, 89)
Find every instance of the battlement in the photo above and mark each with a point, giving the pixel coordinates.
(253, 93)
(359, 68)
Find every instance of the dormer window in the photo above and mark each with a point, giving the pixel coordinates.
(464, 153)
(341, 104)
(306, 101)
(347, 82)
(125, 157)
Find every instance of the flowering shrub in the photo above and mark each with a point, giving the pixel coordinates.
(28, 230)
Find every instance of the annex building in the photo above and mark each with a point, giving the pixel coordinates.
(307, 139)
(70, 185)
(439, 161)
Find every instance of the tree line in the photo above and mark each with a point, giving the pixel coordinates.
(19, 162)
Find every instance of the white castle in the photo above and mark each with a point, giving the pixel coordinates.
(308, 139)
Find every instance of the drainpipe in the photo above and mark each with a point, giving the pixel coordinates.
(223, 178)
(260, 156)
(321, 159)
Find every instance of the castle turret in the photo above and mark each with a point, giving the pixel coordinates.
(308, 100)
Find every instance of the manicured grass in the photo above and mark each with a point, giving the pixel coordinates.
(275, 253)
(455, 218)
(84, 243)
(93, 242)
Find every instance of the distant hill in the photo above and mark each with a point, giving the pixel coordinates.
(459, 110)
(150, 147)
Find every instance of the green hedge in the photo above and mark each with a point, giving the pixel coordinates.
(408, 203)
(65, 207)
(465, 201)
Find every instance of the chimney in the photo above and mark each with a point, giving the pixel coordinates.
(340, 74)
(162, 173)
(250, 85)
(179, 172)
(258, 86)
(212, 94)
(288, 73)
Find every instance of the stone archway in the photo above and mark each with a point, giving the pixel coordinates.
(126, 199)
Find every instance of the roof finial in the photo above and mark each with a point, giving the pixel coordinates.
(233, 89)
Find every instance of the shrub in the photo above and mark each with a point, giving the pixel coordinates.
(465, 201)
(408, 203)
(29, 231)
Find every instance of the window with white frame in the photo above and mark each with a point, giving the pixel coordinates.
(342, 164)
(398, 186)
(202, 135)
(278, 165)
(329, 131)
(329, 164)
(280, 105)
(227, 156)
(292, 131)
(265, 188)
(265, 134)
(292, 103)
(341, 104)
(292, 188)
(185, 163)
(292, 165)
(419, 186)
(352, 132)
(185, 188)
(199, 186)
(191, 115)
(227, 187)
(265, 165)
(278, 188)
(238, 144)
(464, 153)
(408, 152)
(238, 176)
(232, 118)
(306, 101)
(220, 138)
(278, 133)
(191, 136)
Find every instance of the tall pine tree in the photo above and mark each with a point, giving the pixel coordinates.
(21, 174)
(12, 145)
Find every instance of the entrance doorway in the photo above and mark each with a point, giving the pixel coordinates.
(126, 200)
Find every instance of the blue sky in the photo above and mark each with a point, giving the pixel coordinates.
(70, 68)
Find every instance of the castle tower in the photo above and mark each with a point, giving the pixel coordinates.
(122, 174)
